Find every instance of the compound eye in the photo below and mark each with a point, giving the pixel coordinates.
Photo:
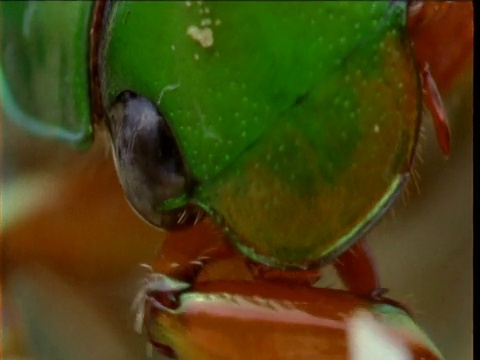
(149, 162)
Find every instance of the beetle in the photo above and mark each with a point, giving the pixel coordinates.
(179, 161)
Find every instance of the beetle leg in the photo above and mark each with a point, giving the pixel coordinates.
(357, 269)
(185, 252)
(434, 103)
(437, 28)
(180, 260)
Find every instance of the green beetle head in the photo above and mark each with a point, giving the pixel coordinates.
(292, 124)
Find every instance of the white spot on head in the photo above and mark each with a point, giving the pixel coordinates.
(203, 36)
(376, 129)
(370, 340)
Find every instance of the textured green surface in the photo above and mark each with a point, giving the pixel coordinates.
(298, 118)
(45, 85)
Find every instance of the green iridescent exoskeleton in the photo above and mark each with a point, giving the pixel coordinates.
(44, 69)
(298, 120)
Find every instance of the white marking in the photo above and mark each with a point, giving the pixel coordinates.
(376, 129)
(253, 309)
(203, 36)
(370, 340)
(170, 87)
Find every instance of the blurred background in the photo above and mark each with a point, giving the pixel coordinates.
(72, 248)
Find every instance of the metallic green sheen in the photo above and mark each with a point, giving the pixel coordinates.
(44, 71)
(298, 119)
(218, 102)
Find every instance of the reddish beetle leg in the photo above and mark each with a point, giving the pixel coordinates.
(434, 103)
(357, 269)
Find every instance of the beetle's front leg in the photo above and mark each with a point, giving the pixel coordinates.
(186, 251)
(357, 269)
(181, 259)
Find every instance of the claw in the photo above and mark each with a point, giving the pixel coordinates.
(160, 284)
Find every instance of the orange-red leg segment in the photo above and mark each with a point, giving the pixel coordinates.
(356, 267)
(433, 101)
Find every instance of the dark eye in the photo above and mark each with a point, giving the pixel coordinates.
(149, 162)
